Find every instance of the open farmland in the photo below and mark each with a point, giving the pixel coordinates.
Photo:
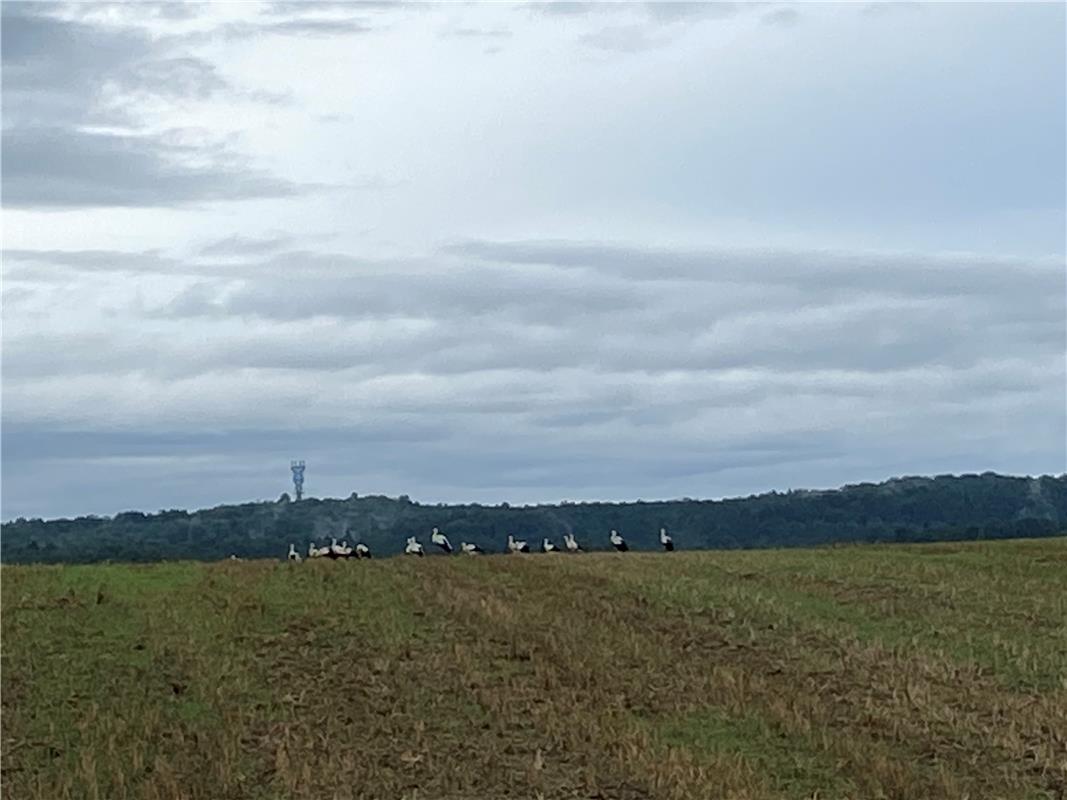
(927, 671)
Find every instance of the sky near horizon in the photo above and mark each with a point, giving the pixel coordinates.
(527, 252)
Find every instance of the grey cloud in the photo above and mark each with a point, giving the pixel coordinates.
(62, 168)
(55, 69)
(182, 76)
(55, 72)
(622, 39)
(908, 274)
(661, 25)
(247, 257)
(890, 6)
(89, 465)
(30, 444)
(670, 11)
(479, 33)
(93, 260)
(64, 266)
(772, 312)
(564, 8)
(318, 27)
(459, 292)
(245, 246)
(314, 19)
(657, 11)
(284, 7)
(782, 17)
(194, 469)
(107, 470)
(298, 26)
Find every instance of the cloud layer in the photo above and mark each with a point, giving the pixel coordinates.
(526, 253)
(541, 369)
(74, 135)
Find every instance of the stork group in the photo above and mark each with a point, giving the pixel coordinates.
(413, 547)
(332, 551)
(513, 545)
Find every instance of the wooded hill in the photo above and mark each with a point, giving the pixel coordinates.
(911, 509)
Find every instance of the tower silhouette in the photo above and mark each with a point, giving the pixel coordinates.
(298, 477)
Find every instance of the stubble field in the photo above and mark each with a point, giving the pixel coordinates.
(933, 671)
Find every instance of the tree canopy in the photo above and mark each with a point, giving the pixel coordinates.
(910, 509)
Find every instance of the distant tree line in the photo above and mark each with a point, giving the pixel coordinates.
(913, 509)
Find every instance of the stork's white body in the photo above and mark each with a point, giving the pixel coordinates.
(618, 542)
(441, 540)
(516, 545)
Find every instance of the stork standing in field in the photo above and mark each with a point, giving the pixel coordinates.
(517, 546)
(317, 552)
(293, 555)
(362, 551)
(571, 543)
(470, 549)
(413, 547)
(666, 540)
(441, 541)
(548, 547)
(618, 542)
(334, 551)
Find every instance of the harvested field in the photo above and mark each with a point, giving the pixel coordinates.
(865, 672)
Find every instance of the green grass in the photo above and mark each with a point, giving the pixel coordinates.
(934, 671)
(988, 604)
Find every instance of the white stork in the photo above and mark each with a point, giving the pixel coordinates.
(666, 540)
(441, 540)
(470, 549)
(362, 551)
(548, 547)
(413, 547)
(293, 555)
(571, 543)
(317, 552)
(517, 546)
(618, 542)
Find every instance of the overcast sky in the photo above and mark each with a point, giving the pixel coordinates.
(519, 252)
